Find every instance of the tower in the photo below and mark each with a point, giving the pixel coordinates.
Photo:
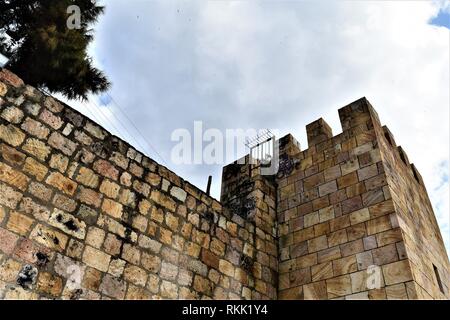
(84, 215)
(354, 220)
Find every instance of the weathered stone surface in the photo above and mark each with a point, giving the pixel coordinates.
(112, 208)
(19, 223)
(36, 148)
(8, 241)
(317, 244)
(95, 130)
(345, 265)
(9, 197)
(178, 193)
(68, 223)
(385, 255)
(64, 203)
(327, 188)
(35, 168)
(329, 254)
(113, 287)
(50, 238)
(169, 290)
(3, 89)
(84, 215)
(59, 162)
(364, 259)
(163, 200)
(148, 243)
(339, 286)
(322, 271)
(226, 267)
(11, 155)
(131, 253)
(151, 263)
(112, 244)
(11, 135)
(378, 225)
(49, 284)
(388, 237)
(13, 177)
(50, 119)
(117, 267)
(349, 166)
(12, 114)
(338, 237)
(61, 183)
(61, 143)
(89, 197)
(87, 177)
(153, 179)
(91, 279)
(109, 189)
(352, 247)
(106, 169)
(396, 272)
(28, 206)
(315, 291)
(96, 259)
(88, 214)
(136, 275)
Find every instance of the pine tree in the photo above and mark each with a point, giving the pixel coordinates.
(45, 52)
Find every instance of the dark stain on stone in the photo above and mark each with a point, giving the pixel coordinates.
(73, 117)
(42, 259)
(209, 216)
(246, 263)
(127, 223)
(128, 232)
(111, 144)
(70, 224)
(27, 277)
(283, 142)
(243, 207)
(99, 149)
(76, 294)
(232, 170)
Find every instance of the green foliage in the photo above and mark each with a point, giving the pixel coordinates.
(44, 52)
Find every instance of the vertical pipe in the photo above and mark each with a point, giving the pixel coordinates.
(208, 187)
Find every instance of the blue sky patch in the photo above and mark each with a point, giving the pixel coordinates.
(442, 19)
(104, 99)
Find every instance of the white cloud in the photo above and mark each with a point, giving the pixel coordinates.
(282, 65)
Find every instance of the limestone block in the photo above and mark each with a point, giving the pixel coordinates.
(397, 272)
(339, 286)
(345, 265)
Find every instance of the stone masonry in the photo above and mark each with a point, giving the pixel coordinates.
(353, 207)
(84, 215)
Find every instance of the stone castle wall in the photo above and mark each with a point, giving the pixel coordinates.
(422, 239)
(83, 215)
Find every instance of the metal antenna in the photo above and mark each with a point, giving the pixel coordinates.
(260, 146)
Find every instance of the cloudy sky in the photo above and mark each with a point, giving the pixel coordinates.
(280, 65)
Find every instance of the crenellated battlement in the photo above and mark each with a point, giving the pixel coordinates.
(75, 197)
(352, 202)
